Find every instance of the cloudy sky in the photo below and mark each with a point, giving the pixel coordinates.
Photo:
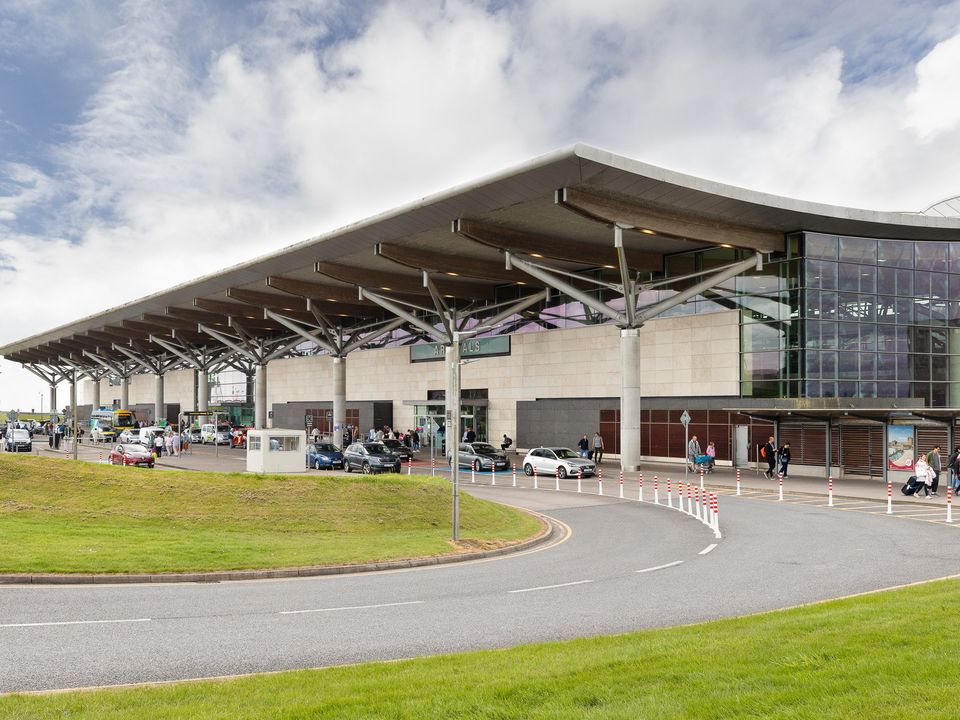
(145, 143)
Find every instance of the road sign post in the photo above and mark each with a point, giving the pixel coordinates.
(685, 419)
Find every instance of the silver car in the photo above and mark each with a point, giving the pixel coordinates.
(481, 456)
(554, 460)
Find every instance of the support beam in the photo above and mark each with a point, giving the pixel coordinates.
(394, 282)
(609, 209)
(630, 399)
(339, 399)
(260, 397)
(401, 312)
(158, 404)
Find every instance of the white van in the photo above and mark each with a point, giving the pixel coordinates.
(216, 434)
(18, 440)
(148, 434)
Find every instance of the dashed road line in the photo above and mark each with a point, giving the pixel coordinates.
(660, 567)
(74, 622)
(352, 607)
(551, 587)
(707, 549)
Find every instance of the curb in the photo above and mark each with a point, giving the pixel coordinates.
(811, 494)
(548, 531)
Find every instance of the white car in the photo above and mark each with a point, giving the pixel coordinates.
(554, 460)
(17, 440)
(216, 434)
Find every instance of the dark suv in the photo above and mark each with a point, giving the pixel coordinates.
(398, 449)
(370, 457)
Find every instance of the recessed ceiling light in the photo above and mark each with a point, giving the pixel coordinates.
(536, 255)
(520, 282)
(331, 300)
(724, 245)
(610, 267)
(453, 274)
(384, 288)
(647, 231)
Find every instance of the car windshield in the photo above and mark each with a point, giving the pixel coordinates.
(483, 448)
(326, 447)
(375, 447)
(392, 443)
(223, 428)
(134, 449)
(565, 453)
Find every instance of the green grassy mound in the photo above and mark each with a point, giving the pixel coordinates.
(887, 655)
(73, 517)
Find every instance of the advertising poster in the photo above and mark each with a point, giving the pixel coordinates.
(900, 453)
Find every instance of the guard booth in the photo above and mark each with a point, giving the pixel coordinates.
(276, 451)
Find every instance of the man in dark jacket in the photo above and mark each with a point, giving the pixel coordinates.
(769, 453)
(783, 454)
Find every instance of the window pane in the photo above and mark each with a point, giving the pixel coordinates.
(828, 364)
(828, 335)
(849, 277)
(931, 256)
(904, 283)
(848, 336)
(895, 253)
(886, 309)
(868, 366)
(820, 246)
(868, 279)
(858, 250)
(938, 285)
(954, 253)
(887, 366)
(848, 365)
(868, 389)
(847, 388)
(938, 368)
(812, 364)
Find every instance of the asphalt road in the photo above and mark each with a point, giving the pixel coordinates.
(625, 566)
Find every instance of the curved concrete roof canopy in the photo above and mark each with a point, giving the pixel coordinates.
(560, 206)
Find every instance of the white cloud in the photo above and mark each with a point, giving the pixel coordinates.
(210, 140)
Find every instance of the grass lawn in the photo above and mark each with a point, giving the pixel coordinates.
(887, 655)
(76, 517)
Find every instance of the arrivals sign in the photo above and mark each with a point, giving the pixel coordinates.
(474, 347)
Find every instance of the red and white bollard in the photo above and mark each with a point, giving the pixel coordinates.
(656, 490)
(889, 497)
(830, 490)
(689, 499)
(410, 465)
(514, 474)
(433, 467)
(738, 481)
(715, 509)
(473, 474)
(669, 494)
(580, 479)
(696, 497)
(780, 478)
(557, 485)
(493, 473)
(949, 504)
(701, 478)
(621, 484)
(100, 454)
(536, 484)
(680, 495)
(599, 481)
(640, 494)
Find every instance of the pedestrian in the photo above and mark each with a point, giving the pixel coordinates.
(175, 443)
(933, 460)
(712, 454)
(584, 446)
(784, 457)
(158, 444)
(597, 447)
(471, 435)
(693, 452)
(924, 476)
(769, 453)
(415, 438)
(315, 434)
(507, 442)
(168, 443)
(953, 465)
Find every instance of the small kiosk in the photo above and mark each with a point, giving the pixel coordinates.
(276, 451)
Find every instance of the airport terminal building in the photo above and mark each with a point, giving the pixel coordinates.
(580, 292)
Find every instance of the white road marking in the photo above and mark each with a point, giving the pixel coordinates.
(660, 567)
(707, 549)
(354, 607)
(551, 587)
(74, 622)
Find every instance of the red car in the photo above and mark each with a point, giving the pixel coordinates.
(131, 454)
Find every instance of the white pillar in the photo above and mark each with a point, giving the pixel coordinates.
(159, 412)
(260, 397)
(630, 399)
(125, 393)
(339, 399)
(203, 389)
(452, 430)
(53, 400)
(94, 394)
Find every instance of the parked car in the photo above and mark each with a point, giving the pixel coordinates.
(17, 440)
(130, 435)
(238, 436)
(102, 432)
(370, 457)
(398, 449)
(131, 454)
(193, 434)
(216, 434)
(147, 436)
(547, 461)
(481, 456)
(324, 456)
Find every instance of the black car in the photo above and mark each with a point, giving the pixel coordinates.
(398, 449)
(370, 457)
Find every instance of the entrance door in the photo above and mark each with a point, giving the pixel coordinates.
(741, 447)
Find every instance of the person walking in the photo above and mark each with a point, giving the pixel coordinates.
(158, 445)
(783, 455)
(712, 454)
(933, 460)
(507, 442)
(953, 466)
(693, 452)
(584, 446)
(924, 476)
(769, 453)
(597, 447)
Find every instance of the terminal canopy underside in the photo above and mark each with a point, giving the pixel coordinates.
(578, 226)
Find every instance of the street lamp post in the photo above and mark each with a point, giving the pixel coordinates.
(453, 429)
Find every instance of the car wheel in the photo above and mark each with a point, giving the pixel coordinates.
(317, 464)
(346, 466)
(476, 465)
(562, 472)
(366, 468)
(396, 468)
(528, 469)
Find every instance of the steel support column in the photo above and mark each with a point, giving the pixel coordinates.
(260, 397)
(125, 392)
(73, 410)
(453, 421)
(203, 390)
(158, 405)
(339, 399)
(95, 393)
(53, 399)
(630, 399)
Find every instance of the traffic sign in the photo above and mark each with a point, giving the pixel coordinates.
(685, 418)
(309, 420)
